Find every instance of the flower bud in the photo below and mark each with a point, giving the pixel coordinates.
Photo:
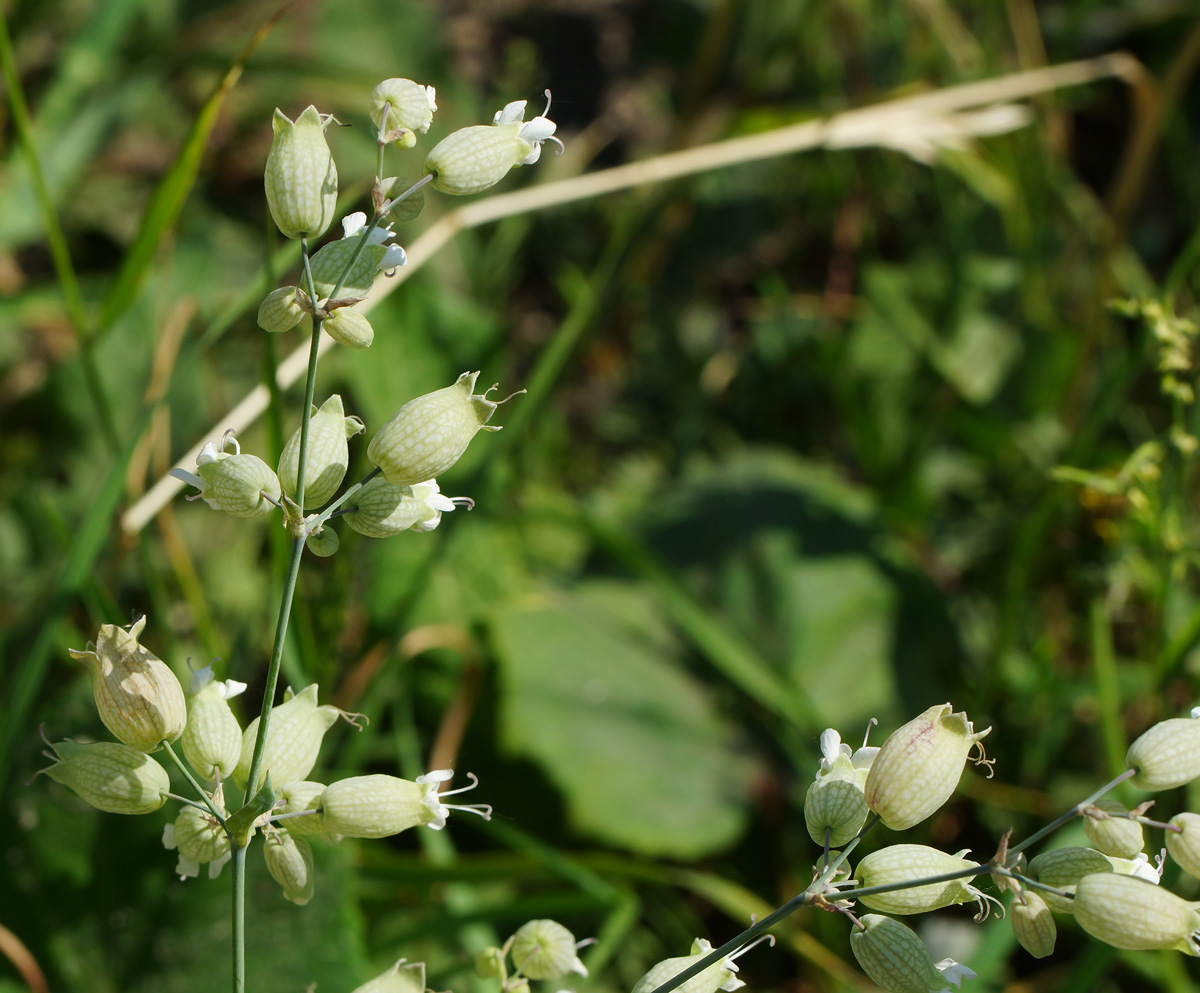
(381, 509)
(1033, 924)
(400, 978)
(139, 698)
(1166, 755)
(328, 454)
(919, 766)
(410, 108)
(897, 961)
(902, 863)
(379, 806)
(282, 309)
(489, 963)
(290, 863)
(293, 740)
(1062, 868)
(1184, 845)
(329, 264)
(545, 950)
(304, 795)
(721, 975)
(301, 178)
(1119, 836)
(350, 328)
(323, 542)
(429, 434)
(1127, 912)
(836, 805)
(474, 158)
(111, 777)
(200, 840)
(403, 210)
(212, 740)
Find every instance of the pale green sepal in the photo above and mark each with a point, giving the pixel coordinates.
(403, 977)
(110, 776)
(301, 178)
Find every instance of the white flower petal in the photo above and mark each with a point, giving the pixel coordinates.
(353, 223)
(394, 256)
(512, 113)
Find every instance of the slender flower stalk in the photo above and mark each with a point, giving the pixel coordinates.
(187, 774)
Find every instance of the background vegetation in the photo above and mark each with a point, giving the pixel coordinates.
(796, 465)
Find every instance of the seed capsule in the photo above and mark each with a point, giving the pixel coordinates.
(328, 454)
(1062, 868)
(897, 960)
(429, 434)
(1033, 924)
(1166, 755)
(1127, 912)
(290, 863)
(111, 777)
(1184, 845)
(293, 740)
(1118, 836)
(545, 950)
(301, 178)
(902, 863)
(212, 740)
(379, 806)
(919, 766)
(139, 698)
(721, 975)
(400, 978)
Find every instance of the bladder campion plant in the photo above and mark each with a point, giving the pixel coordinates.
(253, 782)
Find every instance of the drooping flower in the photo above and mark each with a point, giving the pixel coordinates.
(212, 740)
(138, 697)
(410, 108)
(426, 436)
(919, 766)
(896, 959)
(379, 806)
(474, 158)
(239, 484)
(381, 509)
(378, 255)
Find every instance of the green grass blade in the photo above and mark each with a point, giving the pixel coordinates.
(88, 542)
(173, 190)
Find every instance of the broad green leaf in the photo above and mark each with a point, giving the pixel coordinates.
(593, 694)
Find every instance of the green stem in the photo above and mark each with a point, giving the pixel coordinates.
(909, 884)
(1033, 884)
(187, 774)
(810, 895)
(1075, 811)
(340, 502)
(239, 920)
(281, 624)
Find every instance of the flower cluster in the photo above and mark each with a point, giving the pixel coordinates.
(141, 701)
(425, 438)
(1110, 889)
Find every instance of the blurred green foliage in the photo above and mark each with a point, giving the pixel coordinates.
(803, 466)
